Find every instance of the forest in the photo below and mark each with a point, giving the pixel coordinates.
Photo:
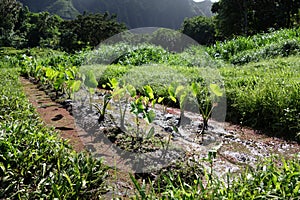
(90, 109)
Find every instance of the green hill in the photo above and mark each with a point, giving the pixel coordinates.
(135, 13)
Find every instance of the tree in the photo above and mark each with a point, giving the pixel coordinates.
(201, 29)
(248, 17)
(231, 17)
(43, 30)
(89, 30)
(9, 10)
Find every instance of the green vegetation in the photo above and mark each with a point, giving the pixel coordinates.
(261, 95)
(261, 75)
(272, 179)
(21, 28)
(242, 50)
(248, 17)
(34, 162)
(265, 95)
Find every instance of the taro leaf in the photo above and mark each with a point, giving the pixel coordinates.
(149, 116)
(150, 133)
(113, 83)
(137, 106)
(195, 89)
(179, 90)
(76, 86)
(216, 89)
(131, 89)
(59, 81)
(172, 93)
(90, 80)
(160, 99)
(149, 92)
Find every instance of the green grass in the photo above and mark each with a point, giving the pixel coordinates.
(271, 179)
(34, 162)
(265, 95)
(246, 49)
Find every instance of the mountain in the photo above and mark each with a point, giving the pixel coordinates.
(134, 13)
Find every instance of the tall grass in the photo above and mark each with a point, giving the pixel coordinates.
(265, 95)
(227, 50)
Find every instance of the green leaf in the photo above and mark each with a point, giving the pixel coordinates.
(149, 92)
(90, 80)
(195, 88)
(76, 86)
(160, 99)
(150, 133)
(131, 89)
(150, 116)
(171, 92)
(113, 83)
(216, 89)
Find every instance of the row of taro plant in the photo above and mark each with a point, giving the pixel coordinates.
(34, 162)
(264, 95)
(55, 74)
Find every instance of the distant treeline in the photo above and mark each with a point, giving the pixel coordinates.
(21, 28)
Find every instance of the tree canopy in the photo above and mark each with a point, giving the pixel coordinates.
(21, 28)
(200, 29)
(247, 17)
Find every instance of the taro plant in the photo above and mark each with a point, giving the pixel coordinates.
(205, 99)
(102, 112)
(71, 84)
(121, 95)
(141, 107)
(91, 83)
(180, 95)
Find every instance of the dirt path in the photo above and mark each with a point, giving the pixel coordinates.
(53, 114)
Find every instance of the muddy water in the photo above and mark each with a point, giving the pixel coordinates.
(236, 146)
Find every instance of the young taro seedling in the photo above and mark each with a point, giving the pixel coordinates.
(91, 83)
(102, 112)
(121, 95)
(204, 99)
(179, 95)
(141, 106)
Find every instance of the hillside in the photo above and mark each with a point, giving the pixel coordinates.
(134, 13)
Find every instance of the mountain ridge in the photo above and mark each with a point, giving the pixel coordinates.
(134, 13)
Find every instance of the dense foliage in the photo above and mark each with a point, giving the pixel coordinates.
(21, 28)
(248, 17)
(272, 179)
(34, 162)
(201, 29)
(241, 50)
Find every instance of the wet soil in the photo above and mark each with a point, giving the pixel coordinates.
(236, 146)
